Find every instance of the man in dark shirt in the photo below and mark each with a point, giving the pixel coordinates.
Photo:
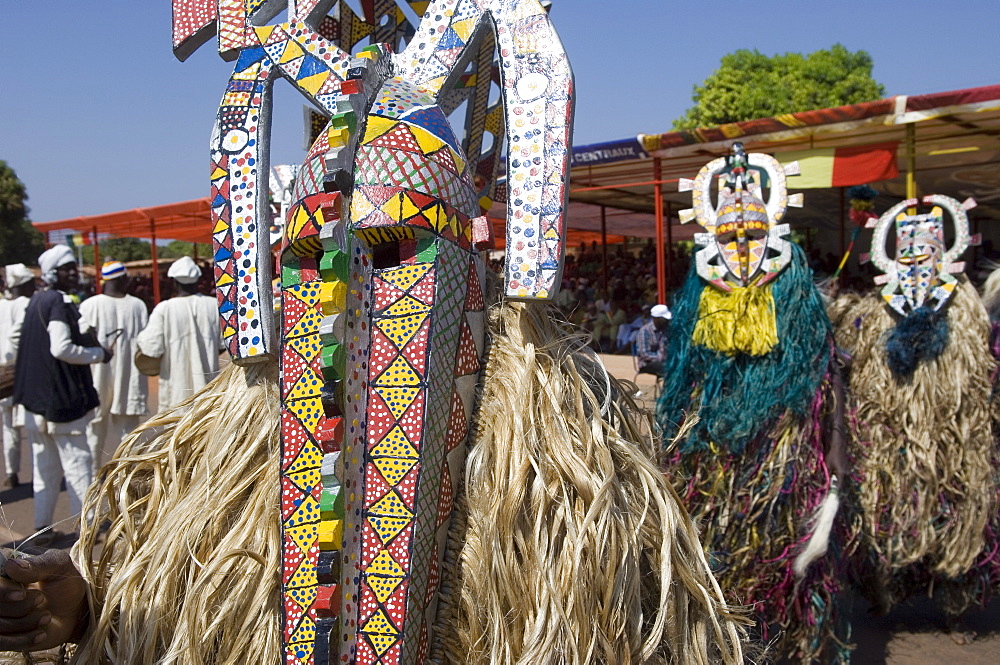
(651, 341)
(52, 385)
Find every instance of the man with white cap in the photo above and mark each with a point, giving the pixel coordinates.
(117, 319)
(20, 286)
(184, 334)
(651, 341)
(52, 383)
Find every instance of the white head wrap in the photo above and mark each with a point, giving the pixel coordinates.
(18, 274)
(52, 258)
(185, 270)
(660, 312)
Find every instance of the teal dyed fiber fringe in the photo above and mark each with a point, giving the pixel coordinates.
(922, 335)
(741, 394)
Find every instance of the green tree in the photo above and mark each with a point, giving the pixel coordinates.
(175, 249)
(118, 249)
(750, 85)
(19, 241)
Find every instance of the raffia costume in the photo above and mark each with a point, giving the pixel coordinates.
(747, 392)
(922, 417)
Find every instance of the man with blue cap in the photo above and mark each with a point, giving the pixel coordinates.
(116, 319)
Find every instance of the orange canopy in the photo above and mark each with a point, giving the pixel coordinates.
(190, 221)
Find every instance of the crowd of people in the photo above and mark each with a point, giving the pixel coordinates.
(80, 369)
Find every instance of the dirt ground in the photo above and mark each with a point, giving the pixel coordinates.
(913, 634)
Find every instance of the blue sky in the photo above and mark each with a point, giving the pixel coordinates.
(96, 115)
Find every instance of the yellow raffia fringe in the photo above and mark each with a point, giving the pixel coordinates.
(741, 321)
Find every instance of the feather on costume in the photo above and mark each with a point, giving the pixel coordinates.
(922, 419)
(746, 395)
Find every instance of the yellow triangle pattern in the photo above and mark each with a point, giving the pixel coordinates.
(306, 513)
(219, 172)
(310, 457)
(377, 126)
(298, 220)
(393, 469)
(383, 564)
(428, 142)
(381, 643)
(464, 28)
(437, 216)
(379, 623)
(307, 346)
(305, 632)
(459, 160)
(383, 587)
(388, 528)
(402, 329)
(308, 385)
(409, 209)
(264, 33)
(361, 207)
(224, 279)
(305, 576)
(405, 305)
(307, 325)
(220, 226)
(398, 373)
(395, 444)
(398, 399)
(303, 535)
(392, 206)
(306, 479)
(405, 277)
(292, 51)
(391, 506)
(306, 647)
(312, 84)
(228, 332)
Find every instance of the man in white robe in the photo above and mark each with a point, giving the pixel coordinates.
(184, 334)
(116, 319)
(20, 286)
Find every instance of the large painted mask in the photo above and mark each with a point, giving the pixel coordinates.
(382, 308)
(922, 273)
(744, 244)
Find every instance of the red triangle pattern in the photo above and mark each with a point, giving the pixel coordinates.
(292, 367)
(467, 360)
(398, 602)
(364, 653)
(445, 160)
(293, 437)
(433, 578)
(380, 419)
(447, 499)
(378, 194)
(407, 487)
(375, 487)
(291, 497)
(292, 310)
(398, 138)
(385, 294)
(415, 351)
(291, 558)
(399, 548)
(457, 426)
(474, 296)
(368, 604)
(423, 290)
(293, 614)
(412, 421)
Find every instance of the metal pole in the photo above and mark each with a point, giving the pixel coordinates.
(843, 231)
(670, 242)
(661, 276)
(156, 263)
(98, 284)
(604, 250)
(911, 164)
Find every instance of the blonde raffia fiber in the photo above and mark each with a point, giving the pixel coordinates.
(188, 574)
(577, 550)
(924, 447)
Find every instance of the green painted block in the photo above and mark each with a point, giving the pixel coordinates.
(426, 249)
(290, 275)
(334, 265)
(334, 358)
(348, 120)
(331, 504)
